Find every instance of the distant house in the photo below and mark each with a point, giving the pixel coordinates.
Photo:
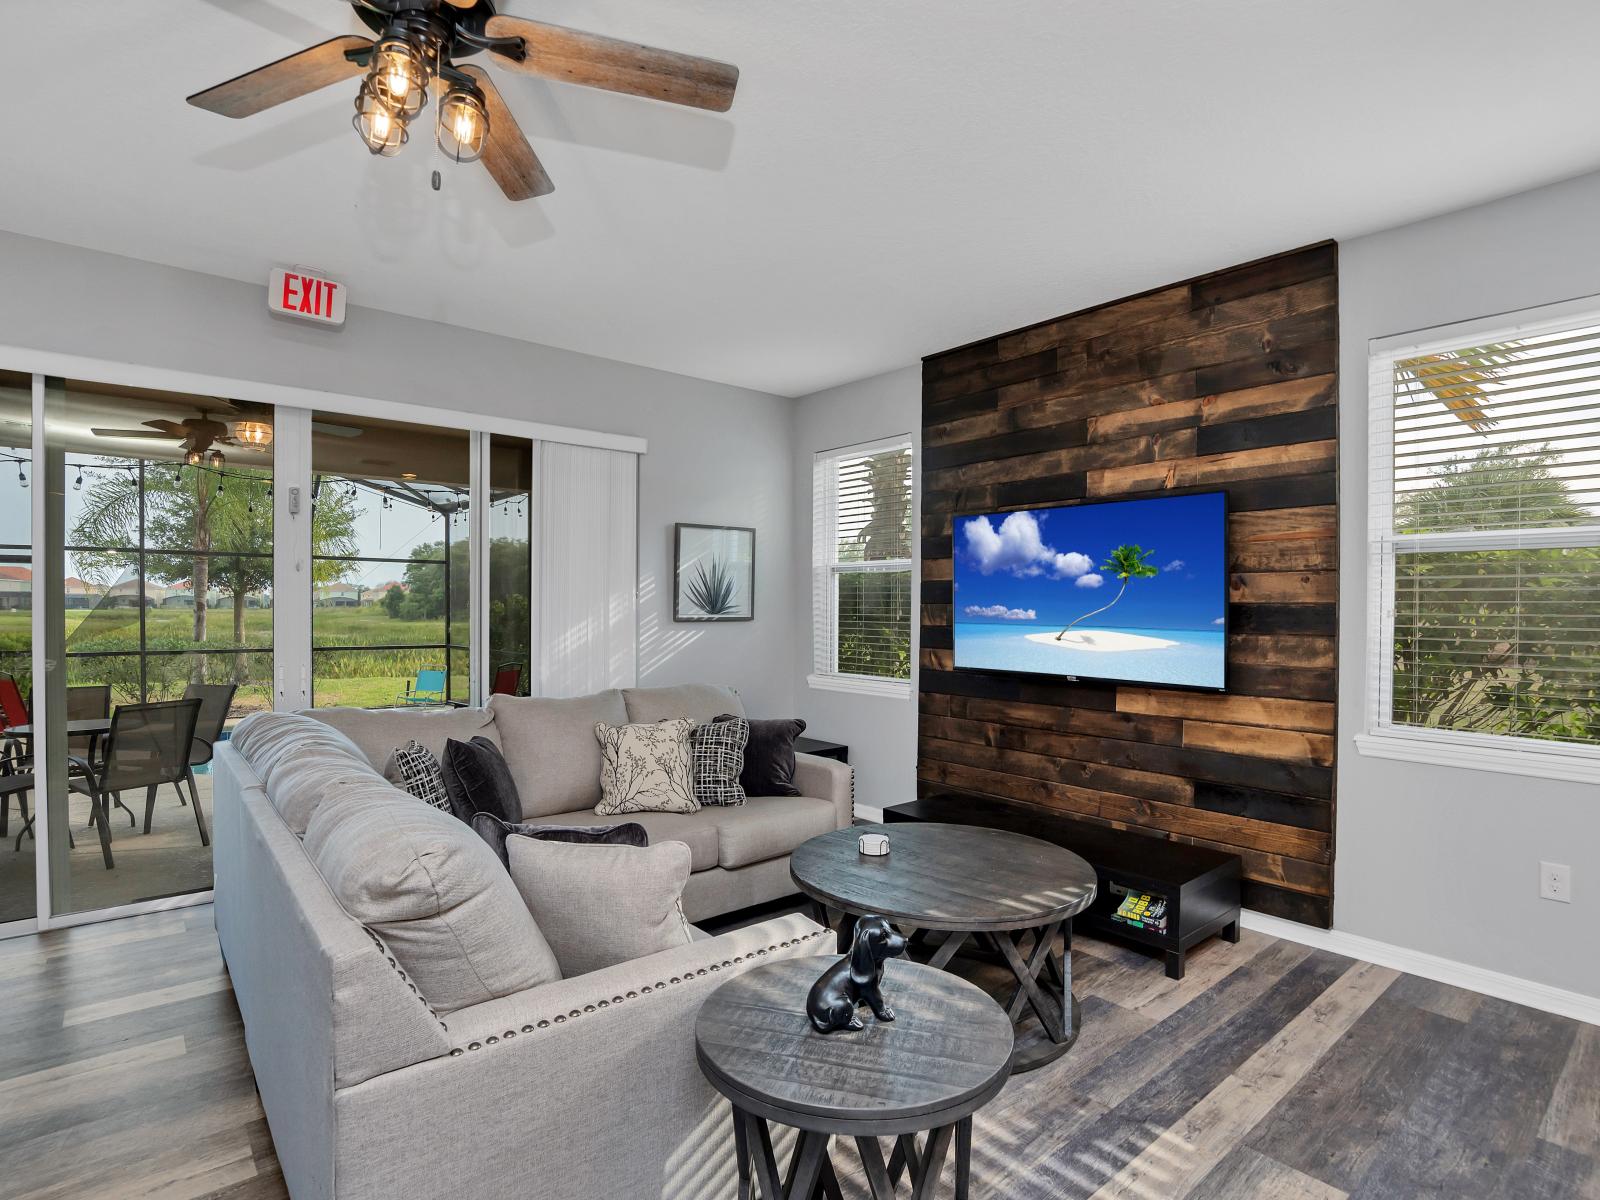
(16, 589)
(339, 595)
(80, 593)
(126, 594)
(377, 595)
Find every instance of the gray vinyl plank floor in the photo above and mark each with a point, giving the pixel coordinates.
(1272, 1072)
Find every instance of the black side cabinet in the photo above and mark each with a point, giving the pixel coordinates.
(1166, 895)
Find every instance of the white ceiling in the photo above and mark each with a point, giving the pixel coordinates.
(896, 176)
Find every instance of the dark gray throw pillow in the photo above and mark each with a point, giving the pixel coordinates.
(476, 779)
(495, 831)
(769, 757)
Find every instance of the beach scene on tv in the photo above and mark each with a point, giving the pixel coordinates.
(1132, 590)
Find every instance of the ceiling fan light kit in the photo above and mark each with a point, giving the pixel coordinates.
(417, 44)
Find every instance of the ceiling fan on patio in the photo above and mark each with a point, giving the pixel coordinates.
(200, 435)
(417, 44)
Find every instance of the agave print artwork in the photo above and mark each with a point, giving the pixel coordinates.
(714, 573)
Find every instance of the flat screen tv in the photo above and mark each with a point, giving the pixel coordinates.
(1134, 591)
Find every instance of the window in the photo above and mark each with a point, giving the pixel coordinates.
(1485, 548)
(862, 568)
(391, 607)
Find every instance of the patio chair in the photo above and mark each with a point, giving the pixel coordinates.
(507, 680)
(16, 779)
(148, 746)
(87, 702)
(13, 711)
(427, 688)
(216, 699)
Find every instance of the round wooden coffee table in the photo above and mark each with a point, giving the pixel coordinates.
(1009, 894)
(944, 1056)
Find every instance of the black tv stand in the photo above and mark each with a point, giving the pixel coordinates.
(1196, 887)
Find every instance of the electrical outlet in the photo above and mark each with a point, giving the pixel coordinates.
(1555, 882)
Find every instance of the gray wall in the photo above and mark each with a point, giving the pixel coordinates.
(1443, 859)
(881, 731)
(718, 454)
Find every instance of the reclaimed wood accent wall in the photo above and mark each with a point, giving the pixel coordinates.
(1227, 381)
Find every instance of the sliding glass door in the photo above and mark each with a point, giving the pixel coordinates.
(158, 569)
(391, 606)
(171, 562)
(18, 882)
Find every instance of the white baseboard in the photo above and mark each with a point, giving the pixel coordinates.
(865, 812)
(1430, 966)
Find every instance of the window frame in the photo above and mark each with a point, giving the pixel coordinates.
(826, 571)
(1380, 736)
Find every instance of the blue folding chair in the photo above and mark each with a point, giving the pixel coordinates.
(427, 688)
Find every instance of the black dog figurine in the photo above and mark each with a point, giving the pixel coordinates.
(854, 980)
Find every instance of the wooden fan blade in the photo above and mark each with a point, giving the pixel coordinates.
(296, 75)
(507, 155)
(170, 428)
(130, 433)
(617, 66)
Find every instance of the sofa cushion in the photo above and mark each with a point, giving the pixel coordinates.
(769, 827)
(601, 905)
(645, 768)
(437, 896)
(301, 785)
(379, 732)
(476, 779)
(698, 830)
(267, 740)
(700, 702)
(494, 832)
(551, 749)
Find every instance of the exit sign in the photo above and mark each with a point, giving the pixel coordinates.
(306, 297)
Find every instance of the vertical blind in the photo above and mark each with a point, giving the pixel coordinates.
(587, 572)
(862, 560)
(1485, 535)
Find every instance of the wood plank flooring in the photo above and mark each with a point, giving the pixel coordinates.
(1272, 1072)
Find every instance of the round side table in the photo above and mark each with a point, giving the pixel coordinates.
(1010, 894)
(944, 1056)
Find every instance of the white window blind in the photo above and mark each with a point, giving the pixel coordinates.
(1484, 538)
(862, 565)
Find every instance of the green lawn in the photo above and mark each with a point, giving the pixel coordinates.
(343, 674)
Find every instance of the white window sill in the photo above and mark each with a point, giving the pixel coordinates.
(1507, 756)
(894, 689)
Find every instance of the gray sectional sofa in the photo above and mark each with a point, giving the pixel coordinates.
(582, 1087)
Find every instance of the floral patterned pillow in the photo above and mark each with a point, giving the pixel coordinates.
(645, 768)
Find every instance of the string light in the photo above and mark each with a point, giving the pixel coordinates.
(77, 485)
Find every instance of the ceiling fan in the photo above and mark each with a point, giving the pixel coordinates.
(200, 435)
(417, 44)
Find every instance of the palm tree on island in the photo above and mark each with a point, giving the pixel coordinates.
(1126, 562)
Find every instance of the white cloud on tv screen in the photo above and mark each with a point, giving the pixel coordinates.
(1001, 612)
(1018, 547)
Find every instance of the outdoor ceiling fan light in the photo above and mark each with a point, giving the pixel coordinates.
(381, 128)
(257, 434)
(192, 458)
(463, 126)
(215, 459)
(399, 76)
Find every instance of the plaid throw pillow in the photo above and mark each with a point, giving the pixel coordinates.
(716, 757)
(419, 773)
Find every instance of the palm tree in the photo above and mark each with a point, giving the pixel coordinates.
(1126, 563)
(1457, 380)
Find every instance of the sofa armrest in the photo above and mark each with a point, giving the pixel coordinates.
(596, 1075)
(828, 779)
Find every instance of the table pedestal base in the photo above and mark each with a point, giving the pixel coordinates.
(811, 1176)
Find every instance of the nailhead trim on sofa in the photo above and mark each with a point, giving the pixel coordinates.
(563, 1018)
(398, 970)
